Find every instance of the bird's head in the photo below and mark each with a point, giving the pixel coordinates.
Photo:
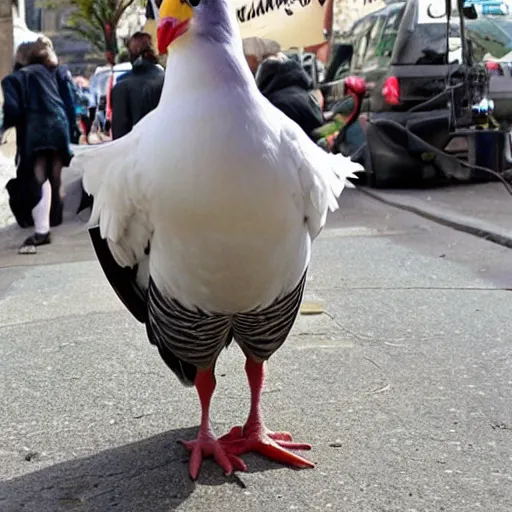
(210, 19)
(175, 17)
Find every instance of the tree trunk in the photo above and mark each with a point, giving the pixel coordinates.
(111, 49)
(6, 38)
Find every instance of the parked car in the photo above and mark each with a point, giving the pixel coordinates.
(424, 85)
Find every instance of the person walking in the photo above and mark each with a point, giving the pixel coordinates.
(139, 90)
(38, 102)
(288, 87)
(82, 99)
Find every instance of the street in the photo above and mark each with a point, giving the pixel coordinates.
(403, 385)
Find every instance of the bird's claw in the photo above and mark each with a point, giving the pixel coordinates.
(278, 452)
(274, 445)
(235, 434)
(208, 446)
(239, 432)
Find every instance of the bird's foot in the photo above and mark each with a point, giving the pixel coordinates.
(206, 445)
(255, 437)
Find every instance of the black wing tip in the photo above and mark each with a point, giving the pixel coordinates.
(185, 372)
(122, 280)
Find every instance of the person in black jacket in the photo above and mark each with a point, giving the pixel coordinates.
(137, 92)
(38, 102)
(289, 88)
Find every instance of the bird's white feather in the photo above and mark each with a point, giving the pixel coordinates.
(323, 176)
(114, 175)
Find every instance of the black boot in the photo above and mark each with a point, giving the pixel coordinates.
(30, 244)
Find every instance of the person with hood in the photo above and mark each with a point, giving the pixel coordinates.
(38, 102)
(22, 55)
(138, 91)
(289, 88)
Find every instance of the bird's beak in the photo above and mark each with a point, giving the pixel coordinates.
(175, 16)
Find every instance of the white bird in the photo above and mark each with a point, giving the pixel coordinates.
(204, 216)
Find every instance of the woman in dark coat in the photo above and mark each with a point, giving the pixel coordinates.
(39, 103)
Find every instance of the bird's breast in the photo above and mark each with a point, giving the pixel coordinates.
(229, 231)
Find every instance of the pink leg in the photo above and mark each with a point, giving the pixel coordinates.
(206, 444)
(255, 437)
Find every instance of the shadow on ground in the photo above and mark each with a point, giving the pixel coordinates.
(150, 475)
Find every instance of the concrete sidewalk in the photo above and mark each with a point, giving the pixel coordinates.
(484, 210)
(402, 385)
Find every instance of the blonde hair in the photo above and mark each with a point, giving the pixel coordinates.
(279, 57)
(42, 52)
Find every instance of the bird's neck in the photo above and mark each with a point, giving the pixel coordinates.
(215, 21)
(197, 66)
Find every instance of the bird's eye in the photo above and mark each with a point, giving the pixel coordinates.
(193, 3)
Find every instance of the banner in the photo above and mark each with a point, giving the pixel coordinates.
(292, 23)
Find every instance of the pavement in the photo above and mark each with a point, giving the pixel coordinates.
(484, 209)
(7, 171)
(402, 385)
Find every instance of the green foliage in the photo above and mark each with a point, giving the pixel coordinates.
(91, 19)
(123, 56)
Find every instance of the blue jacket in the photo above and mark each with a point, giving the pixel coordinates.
(38, 101)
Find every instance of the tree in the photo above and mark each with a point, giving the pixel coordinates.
(96, 20)
(6, 40)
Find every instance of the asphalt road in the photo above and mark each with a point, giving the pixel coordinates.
(403, 386)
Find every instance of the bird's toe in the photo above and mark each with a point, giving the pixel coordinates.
(280, 436)
(208, 446)
(280, 454)
(255, 437)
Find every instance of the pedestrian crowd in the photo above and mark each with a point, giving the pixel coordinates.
(50, 110)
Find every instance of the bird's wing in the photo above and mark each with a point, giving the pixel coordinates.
(323, 176)
(117, 176)
(114, 176)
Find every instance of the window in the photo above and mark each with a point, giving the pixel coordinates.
(361, 36)
(490, 35)
(383, 36)
(371, 58)
(390, 32)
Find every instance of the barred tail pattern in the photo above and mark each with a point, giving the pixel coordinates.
(261, 332)
(197, 337)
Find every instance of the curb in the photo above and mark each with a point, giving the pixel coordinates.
(448, 218)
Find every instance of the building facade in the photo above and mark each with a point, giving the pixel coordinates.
(76, 53)
(346, 12)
